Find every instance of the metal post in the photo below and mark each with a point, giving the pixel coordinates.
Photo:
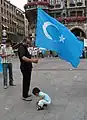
(4, 36)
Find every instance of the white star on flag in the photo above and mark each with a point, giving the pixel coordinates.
(62, 39)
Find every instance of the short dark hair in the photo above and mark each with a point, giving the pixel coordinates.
(24, 39)
(8, 41)
(35, 90)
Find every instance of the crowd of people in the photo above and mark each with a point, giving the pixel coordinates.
(35, 52)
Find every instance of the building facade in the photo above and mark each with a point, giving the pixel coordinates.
(26, 27)
(72, 13)
(11, 20)
(20, 24)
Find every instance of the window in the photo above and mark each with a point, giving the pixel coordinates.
(7, 5)
(1, 10)
(72, 3)
(52, 2)
(2, 19)
(58, 2)
(79, 3)
(29, 0)
(4, 11)
(1, 1)
(52, 14)
(79, 0)
(58, 14)
(15, 29)
(5, 20)
(10, 14)
(12, 8)
(73, 13)
(10, 29)
(10, 22)
(79, 13)
(7, 13)
(4, 4)
(2, 27)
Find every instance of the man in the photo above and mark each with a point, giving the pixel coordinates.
(26, 67)
(7, 53)
(10, 54)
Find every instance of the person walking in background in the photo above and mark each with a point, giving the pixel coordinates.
(10, 54)
(4, 65)
(26, 67)
(35, 52)
(6, 54)
(40, 53)
(30, 49)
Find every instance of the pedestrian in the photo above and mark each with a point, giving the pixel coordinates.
(7, 53)
(30, 49)
(40, 53)
(26, 67)
(43, 100)
(35, 52)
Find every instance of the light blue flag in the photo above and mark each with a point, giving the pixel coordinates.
(53, 35)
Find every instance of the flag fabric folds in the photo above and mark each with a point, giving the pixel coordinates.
(53, 35)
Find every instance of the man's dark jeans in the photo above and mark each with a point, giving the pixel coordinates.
(7, 66)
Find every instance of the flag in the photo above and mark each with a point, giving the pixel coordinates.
(53, 35)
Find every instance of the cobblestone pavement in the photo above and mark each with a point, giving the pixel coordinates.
(66, 86)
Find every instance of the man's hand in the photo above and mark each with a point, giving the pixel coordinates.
(35, 60)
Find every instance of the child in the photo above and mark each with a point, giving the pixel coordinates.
(44, 99)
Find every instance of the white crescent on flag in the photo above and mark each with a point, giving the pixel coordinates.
(45, 25)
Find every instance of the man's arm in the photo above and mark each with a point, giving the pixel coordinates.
(29, 60)
(21, 53)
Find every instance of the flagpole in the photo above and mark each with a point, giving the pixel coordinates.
(35, 41)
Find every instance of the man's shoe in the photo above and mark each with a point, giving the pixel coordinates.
(29, 95)
(12, 84)
(5, 87)
(27, 99)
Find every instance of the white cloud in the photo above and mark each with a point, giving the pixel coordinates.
(19, 3)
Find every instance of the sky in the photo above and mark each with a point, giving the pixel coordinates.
(19, 3)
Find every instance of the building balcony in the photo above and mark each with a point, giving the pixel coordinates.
(30, 5)
(72, 19)
(76, 4)
(58, 5)
(79, 3)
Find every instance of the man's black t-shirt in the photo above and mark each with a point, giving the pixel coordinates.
(22, 51)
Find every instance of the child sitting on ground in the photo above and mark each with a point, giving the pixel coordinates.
(44, 99)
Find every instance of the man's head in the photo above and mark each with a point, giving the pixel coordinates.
(8, 43)
(36, 91)
(27, 42)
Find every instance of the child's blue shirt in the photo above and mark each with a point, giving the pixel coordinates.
(46, 97)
